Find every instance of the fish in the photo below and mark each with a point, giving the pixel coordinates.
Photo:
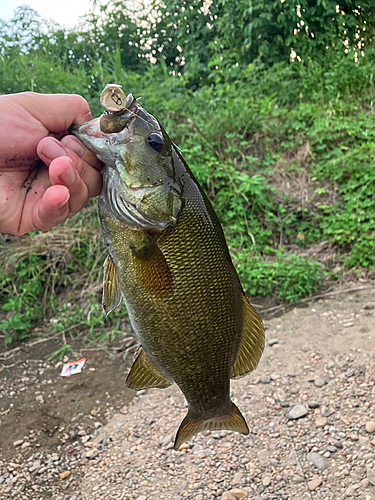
(168, 261)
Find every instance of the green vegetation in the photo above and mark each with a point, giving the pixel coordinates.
(273, 109)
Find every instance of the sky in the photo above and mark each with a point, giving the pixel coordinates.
(65, 12)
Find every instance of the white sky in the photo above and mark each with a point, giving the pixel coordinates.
(66, 12)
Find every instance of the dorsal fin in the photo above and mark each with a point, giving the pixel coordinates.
(252, 342)
(111, 287)
(144, 375)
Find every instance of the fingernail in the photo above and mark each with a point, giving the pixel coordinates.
(63, 203)
(53, 150)
(68, 176)
(74, 145)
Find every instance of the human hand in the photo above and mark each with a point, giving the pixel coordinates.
(43, 180)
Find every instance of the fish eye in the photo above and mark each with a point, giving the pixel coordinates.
(155, 141)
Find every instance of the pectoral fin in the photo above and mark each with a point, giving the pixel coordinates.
(111, 287)
(153, 273)
(190, 427)
(252, 342)
(144, 375)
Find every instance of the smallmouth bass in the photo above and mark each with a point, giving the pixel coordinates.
(169, 262)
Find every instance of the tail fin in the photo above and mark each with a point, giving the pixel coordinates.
(232, 422)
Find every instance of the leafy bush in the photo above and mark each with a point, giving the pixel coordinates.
(284, 151)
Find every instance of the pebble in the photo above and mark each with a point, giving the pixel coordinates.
(35, 466)
(314, 483)
(266, 481)
(65, 474)
(272, 342)
(227, 495)
(298, 411)
(319, 382)
(370, 473)
(18, 443)
(318, 461)
(25, 445)
(370, 426)
(331, 448)
(238, 493)
(365, 482)
(265, 379)
(351, 490)
(321, 421)
(237, 477)
(91, 453)
(313, 404)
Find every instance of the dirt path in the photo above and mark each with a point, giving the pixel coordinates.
(319, 366)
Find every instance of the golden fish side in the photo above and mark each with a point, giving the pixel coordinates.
(182, 292)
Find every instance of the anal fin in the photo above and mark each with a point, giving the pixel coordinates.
(144, 375)
(111, 287)
(252, 342)
(190, 427)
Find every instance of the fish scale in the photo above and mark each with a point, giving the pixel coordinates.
(169, 261)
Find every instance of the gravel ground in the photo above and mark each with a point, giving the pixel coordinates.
(310, 407)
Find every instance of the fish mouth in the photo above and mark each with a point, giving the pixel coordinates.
(109, 124)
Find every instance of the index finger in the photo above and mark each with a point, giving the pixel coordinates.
(57, 112)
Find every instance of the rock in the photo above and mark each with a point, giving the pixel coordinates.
(321, 421)
(91, 453)
(238, 493)
(331, 449)
(263, 456)
(325, 411)
(313, 404)
(314, 483)
(363, 440)
(65, 474)
(40, 399)
(318, 461)
(365, 482)
(298, 411)
(34, 466)
(25, 445)
(265, 379)
(18, 443)
(349, 373)
(166, 440)
(350, 491)
(266, 481)
(275, 376)
(272, 342)
(237, 477)
(370, 473)
(370, 426)
(369, 305)
(227, 495)
(319, 382)
(338, 444)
